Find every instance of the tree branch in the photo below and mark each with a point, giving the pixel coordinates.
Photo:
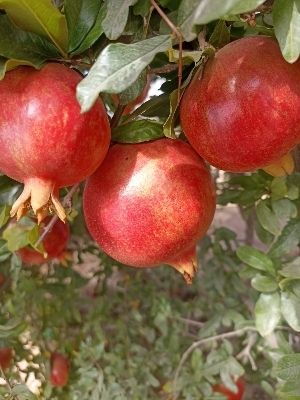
(178, 34)
(66, 202)
(199, 343)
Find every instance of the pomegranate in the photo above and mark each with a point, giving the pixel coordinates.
(137, 101)
(149, 203)
(228, 393)
(6, 355)
(2, 280)
(54, 245)
(45, 141)
(243, 111)
(59, 370)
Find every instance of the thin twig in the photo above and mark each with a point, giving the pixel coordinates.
(147, 22)
(117, 116)
(176, 32)
(199, 343)
(246, 352)
(66, 202)
(190, 322)
(6, 379)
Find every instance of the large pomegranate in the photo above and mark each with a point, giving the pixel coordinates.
(6, 356)
(149, 204)
(238, 395)
(54, 245)
(45, 141)
(59, 370)
(243, 111)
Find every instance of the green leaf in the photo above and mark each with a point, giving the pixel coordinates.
(94, 33)
(4, 215)
(286, 17)
(134, 90)
(288, 367)
(40, 17)
(264, 283)
(287, 241)
(12, 329)
(290, 309)
(155, 107)
(116, 18)
(117, 67)
(81, 16)
(284, 209)
(137, 132)
(291, 269)
(7, 65)
(267, 313)
(22, 392)
(142, 7)
(20, 235)
(22, 47)
(221, 35)
(195, 12)
(242, 6)
(255, 258)
(290, 390)
(267, 218)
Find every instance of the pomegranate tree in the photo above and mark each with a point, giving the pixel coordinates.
(54, 244)
(243, 111)
(59, 375)
(45, 141)
(150, 203)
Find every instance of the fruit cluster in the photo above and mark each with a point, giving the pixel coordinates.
(149, 203)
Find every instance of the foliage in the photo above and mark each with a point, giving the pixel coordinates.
(123, 330)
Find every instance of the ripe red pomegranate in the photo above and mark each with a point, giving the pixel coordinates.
(243, 112)
(54, 245)
(2, 280)
(149, 204)
(6, 356)
(137, 101)
(59, 370)
(45, 141)
(228, 393)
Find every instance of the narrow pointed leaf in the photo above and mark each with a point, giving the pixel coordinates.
(117, 67)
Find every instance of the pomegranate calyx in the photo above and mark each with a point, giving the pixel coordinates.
(186, 264)
(42, 197)
(282, 167)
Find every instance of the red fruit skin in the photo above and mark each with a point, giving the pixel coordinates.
(45, 141)
(2, 280)
(228, 393)
(59, 376)
(42, 133)
(5, 357)
(243, 113)
(54, 245)
(150, 203)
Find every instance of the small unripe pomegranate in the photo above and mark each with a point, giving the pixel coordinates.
(6, 356)
(59, 376)
(54, 244)
(240, 383)
(45, 141)
(243, 111)
(149, 204)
